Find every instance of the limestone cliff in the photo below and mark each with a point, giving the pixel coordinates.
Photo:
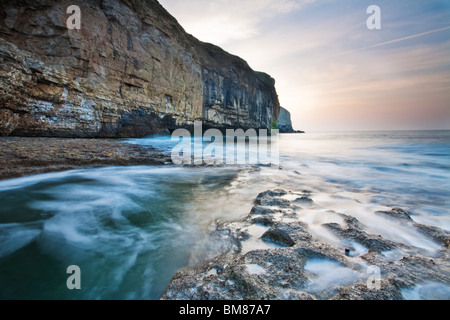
(131, 70)
(285, 122)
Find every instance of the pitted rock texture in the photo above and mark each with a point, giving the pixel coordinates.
(284, 271)
(131, 70)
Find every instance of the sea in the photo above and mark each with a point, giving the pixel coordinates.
(129, 229)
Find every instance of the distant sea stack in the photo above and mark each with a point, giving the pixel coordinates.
(130, 71)
(285, 122)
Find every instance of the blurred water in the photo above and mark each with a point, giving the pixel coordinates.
(130, 228)
(409, 169)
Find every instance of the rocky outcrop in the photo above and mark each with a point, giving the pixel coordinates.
(285, 122)
(299, 265)
(131, 70)
(23, 156)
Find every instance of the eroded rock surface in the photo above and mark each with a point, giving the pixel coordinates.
(22, 156)
(300, 265)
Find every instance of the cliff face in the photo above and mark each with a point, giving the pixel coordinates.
(130, 71)
(284, 121)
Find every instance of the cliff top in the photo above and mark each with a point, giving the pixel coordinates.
(153, 13)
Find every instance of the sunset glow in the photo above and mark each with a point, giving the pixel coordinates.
(331, 71)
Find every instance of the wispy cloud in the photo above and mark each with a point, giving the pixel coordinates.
(384, 43)
(223, 21)
(331, 71)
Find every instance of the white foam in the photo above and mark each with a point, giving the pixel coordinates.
(15, 236)
(357, 249)
(212, 272)
(314, 218)
(255, 269)
(389, 229)
(393, 255)
(23, 182)
(396, 231)
(327, 274)
(291, 196)
(427, 291)
(254, 242)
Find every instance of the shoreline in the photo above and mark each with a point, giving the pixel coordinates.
(283, 271)
(24, 156)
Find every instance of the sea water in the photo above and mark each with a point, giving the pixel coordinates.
(129, 229)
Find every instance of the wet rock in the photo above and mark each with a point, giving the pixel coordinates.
(351, 221)
(439, 235)
(271, 193)
(280, 273)
(278, 236)
(373, 242)
(265, 221)
(271, 201)
(297, 231)
(294, 295)
(257, 275)
(259, 210)
(225, 239)
(396, 213)
(304, 200)
(23, 156)
(360, 291)
(289, 213)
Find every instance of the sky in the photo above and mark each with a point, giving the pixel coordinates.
(331, 71)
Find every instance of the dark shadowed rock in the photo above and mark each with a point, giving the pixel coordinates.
(297, 231)
(304, 200)
(258, 210)
(265, 221)
(272, 193)
(272, 198)
(278, 236)
(396, 213)
(285, 122)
